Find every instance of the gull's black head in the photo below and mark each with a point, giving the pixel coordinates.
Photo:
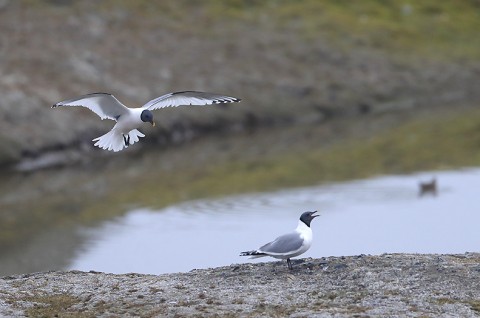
(307, 217)
(147, 117)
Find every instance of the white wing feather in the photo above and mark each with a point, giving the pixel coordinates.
(188, 98)
(104, 105)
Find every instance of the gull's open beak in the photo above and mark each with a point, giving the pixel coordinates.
(153, 123)
(313, 214)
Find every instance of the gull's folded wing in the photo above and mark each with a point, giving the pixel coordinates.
(284, 244)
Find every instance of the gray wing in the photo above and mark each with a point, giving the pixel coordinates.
(284, 244)
(104, 105)
(188, 98)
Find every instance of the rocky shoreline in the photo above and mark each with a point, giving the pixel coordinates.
(393, 285)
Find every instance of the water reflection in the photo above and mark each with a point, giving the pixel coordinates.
(363, 217)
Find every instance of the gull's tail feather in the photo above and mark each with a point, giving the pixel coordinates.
(253, 254)
(116, 141)
(113, 140)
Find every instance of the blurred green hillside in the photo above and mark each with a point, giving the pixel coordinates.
(432, 29)
(292, 62)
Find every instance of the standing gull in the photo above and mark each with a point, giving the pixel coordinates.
(288, 245)
(125, 132)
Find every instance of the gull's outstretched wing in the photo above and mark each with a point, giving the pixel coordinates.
(284, 244)
(188, 98)
(104, 105)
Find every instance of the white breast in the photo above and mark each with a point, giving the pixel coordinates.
(305, 233)
(129, 121)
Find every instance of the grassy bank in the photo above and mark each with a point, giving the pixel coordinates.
(433, 29)
(446, 141)
(288, 60)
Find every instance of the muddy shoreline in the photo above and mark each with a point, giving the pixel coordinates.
(393, 285)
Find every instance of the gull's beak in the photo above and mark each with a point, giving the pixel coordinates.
(153, 123)
(313, 214)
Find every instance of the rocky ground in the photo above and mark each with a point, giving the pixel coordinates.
(393, 285)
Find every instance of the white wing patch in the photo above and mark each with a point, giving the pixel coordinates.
(188, 98)
(104, 105)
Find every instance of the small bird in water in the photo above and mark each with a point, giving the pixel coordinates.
(288, 245)
(428, 188)
(125, 132)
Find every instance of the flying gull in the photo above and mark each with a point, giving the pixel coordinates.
(288, 245)
(125, 132)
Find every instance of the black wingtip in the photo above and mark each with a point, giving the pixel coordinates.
(251, 253)
(227, 101)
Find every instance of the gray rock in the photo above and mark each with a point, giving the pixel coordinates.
(393, 285)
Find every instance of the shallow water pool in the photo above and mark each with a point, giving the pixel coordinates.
(373, 216)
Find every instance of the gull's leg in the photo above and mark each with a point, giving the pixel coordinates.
(126, 139)
(289, 264)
